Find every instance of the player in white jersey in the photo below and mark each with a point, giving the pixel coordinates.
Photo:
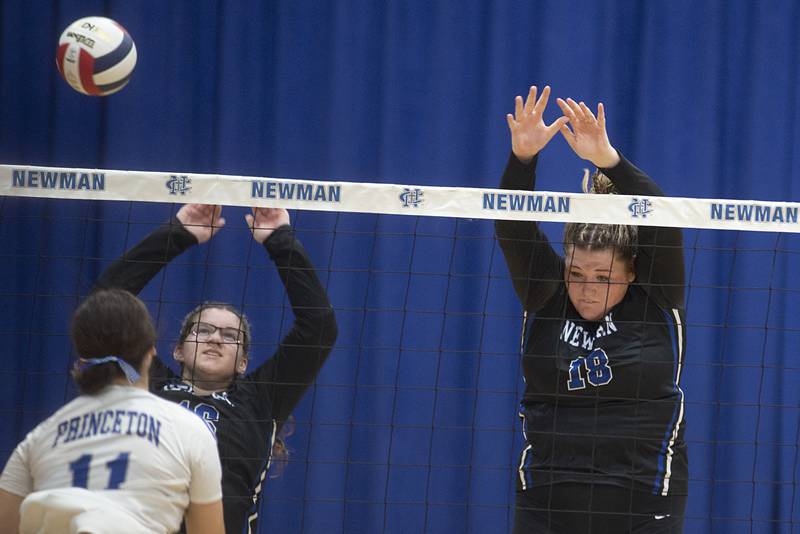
(117, 458)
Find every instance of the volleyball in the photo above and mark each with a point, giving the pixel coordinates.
(96, 56)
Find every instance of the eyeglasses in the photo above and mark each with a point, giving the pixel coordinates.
(203, 331)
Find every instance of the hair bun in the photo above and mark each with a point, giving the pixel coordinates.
(600, 183)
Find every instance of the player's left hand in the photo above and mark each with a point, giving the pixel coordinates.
(264, 221)
(587, 136)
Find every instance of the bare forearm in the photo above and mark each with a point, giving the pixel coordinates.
(205, 518)
(9, 512)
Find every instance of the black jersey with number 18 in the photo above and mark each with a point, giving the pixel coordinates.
(603, 402)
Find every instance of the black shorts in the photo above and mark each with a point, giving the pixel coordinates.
(570, 508)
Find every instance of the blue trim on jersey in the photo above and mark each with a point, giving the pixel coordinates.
(662, 457)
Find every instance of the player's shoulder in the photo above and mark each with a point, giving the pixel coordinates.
(183, 420)
(184, 426)
(169, 408)
(79, 404)
(641, 305)
(72, 409)
(143, 400)
(246, 386)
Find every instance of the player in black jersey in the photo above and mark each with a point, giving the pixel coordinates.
(245, 411)
(603, 411)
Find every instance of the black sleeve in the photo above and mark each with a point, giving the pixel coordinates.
(140, 264)
(536, 269)
(659, 262)
(284, 378)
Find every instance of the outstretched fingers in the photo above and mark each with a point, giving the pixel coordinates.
(529, 132)
(601, 115)
(541, 104)
(580, 114)
(576, 108)
(511, 122)
(567, 110)
(518, 107)
(531, 100)
(587, 113)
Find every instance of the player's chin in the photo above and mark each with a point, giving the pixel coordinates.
(215, 368)
(591, 312)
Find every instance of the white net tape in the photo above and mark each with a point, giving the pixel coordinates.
(396, 199)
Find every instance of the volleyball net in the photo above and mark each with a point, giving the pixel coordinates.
(412, 425)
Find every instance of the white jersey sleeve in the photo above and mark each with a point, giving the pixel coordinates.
(16, 477)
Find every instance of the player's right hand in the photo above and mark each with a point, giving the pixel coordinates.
(202, 220)
(529, 133)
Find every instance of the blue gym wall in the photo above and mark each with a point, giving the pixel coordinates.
(411, 426)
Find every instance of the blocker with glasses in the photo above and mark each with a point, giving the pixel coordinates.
(203, 332)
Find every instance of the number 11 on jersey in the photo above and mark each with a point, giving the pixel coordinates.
(118, 470)
(598, 371)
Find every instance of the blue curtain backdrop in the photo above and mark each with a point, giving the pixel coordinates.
(411, 426)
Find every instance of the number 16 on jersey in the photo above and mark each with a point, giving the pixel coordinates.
(598, 371)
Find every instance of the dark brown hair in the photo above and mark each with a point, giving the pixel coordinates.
(110, 322)
(279, 457)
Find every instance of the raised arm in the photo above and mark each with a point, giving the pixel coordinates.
(536, 269)
(659, 262)
(285, 377)
(193, 224)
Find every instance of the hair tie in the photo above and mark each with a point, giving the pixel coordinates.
(130, 373)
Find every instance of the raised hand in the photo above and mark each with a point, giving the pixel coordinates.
(201, 220)
(264, 221)
(529, 133)
(588, 137)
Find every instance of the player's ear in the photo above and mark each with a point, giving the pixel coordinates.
(178, 353)
(241, 365)
(630, 276)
